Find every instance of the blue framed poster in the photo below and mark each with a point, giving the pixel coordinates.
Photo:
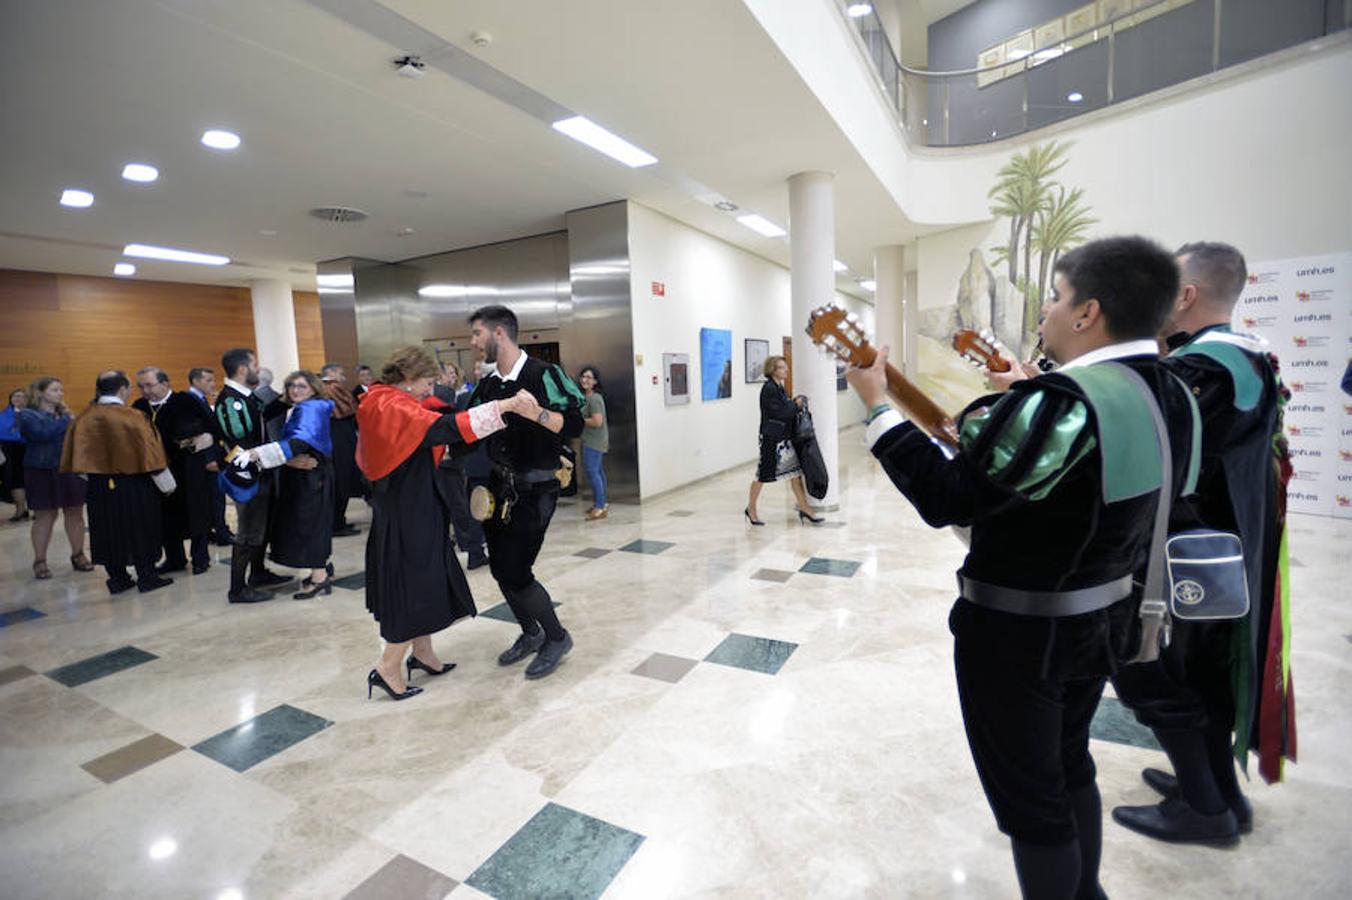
(715, 363)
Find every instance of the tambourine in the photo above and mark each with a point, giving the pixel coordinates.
(482, 503)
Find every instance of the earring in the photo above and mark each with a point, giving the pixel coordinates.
(1079, 325)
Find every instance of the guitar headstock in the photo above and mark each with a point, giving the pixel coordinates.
(980, 348)
(840, 333)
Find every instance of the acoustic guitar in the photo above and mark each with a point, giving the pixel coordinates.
(981, 349)
(841, 335)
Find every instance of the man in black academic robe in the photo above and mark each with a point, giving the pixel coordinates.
(120, 454)
(188, 431)
(347, 478)
(1061, 503)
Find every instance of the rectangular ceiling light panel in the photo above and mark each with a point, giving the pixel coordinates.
(146, 251)
(582, 129)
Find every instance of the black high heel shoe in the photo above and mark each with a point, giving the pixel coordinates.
(414, 663)
(324, 587)
(747, 512)
(804, 516)
(374, 680)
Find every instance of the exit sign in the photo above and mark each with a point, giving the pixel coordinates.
(659, 289)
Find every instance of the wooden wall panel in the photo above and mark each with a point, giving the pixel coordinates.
(75, 326)
(309, 331)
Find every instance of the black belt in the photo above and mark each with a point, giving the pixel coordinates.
(1047, 604)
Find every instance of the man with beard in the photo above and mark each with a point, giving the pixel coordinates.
(187, 430)
(121, 455)
(525, 458)
(202, 387)
(347, 478)
(239, 413)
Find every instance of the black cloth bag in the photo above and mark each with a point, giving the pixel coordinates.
(804, 440)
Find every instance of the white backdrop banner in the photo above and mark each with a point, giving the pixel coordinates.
(1303, 308)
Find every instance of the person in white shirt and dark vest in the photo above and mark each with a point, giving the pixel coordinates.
(188, 432)
(239, 413)
(120, 453)
(1058, 481)
(1217, 691)
(525, 457)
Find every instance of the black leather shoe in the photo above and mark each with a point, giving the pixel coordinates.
(249, 595)
(1174, 821)
(346, 531)
(1166, 785)
(549, 657)
(168, 569)
(223, 539)
(525, 645)
(477, 560)
(267, 579)
(117, 586)
(146, 587)
(199, 568)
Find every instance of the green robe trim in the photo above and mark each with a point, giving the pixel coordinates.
(1054, 457)
(1128, 447)
(1248, 386)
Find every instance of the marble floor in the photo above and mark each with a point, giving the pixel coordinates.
(763, 712)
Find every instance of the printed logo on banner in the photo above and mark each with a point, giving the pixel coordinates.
(1261, 298)
(1308, 431)
(1346, 455)
(1310, 342)
(1307, 363)
(1263, 277)
(1344, 501)
(1312, 317)
(1305, 408)
(1308, 387)
(1316, 270)
(1259, 321)
(1314, 296)
(1306, 452)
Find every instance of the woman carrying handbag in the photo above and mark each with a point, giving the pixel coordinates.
(778, 461)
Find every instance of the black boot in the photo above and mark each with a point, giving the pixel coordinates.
(259, 576)
(240, 592)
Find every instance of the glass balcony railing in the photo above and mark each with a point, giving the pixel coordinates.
(1053, 75)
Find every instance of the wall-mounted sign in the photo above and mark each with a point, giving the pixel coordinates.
(659, 289)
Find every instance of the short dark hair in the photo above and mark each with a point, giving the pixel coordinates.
(329, 367)
(596, 375)
(197, 372)
(1134, 279)
(363, 367)
(231, 360)
(161, 376)
(495, 315)
(1217, 268)
(110, 382)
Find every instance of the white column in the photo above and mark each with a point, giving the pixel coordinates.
(889, 274)
(274, 316)
(812, 278)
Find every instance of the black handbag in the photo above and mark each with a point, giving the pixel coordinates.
(815, 478)
(803, 429)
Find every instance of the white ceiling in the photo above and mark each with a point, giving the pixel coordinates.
(88, 86)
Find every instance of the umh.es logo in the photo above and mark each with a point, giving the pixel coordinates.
(1312, 317)
(1306, 452)
(1260, 298)
(1306, 496)
(1316, 270)
(1304, 407)
(1308, 363)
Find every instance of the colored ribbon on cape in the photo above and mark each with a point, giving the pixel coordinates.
(391, 426)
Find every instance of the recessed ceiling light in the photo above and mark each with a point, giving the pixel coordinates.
(76, 198)
(868, 284)
(334, 281)
(858, 10)
(442, 290)
(218, 139)
(124, 269)
(163, 848)
(146, 251)
(839, 266)
(725, 206)
(140, 172)
(761, 225)
(1074, 96)
(580, 128)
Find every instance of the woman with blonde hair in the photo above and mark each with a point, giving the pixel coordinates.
(777, 458)
(414, 584)
(51, 492)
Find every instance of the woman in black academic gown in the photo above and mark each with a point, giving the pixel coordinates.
(302, 525)
(414, 583)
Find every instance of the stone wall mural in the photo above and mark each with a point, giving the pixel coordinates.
(1038, 218)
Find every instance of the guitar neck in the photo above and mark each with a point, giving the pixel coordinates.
(919, 408)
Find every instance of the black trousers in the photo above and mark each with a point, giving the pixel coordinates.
(1029, 687)
(254, 517)
(514, 546)
(1188, 687)
(469, 534)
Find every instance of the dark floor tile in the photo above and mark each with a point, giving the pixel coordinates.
(756, 654)
(101, 666)
(558, 853)
(1114, 722)
(22, 614)
(665, 667)
(776, 575)
(592, 552)
(842, 568)
(248, 744)
(14, 673)
(503, 613)
(682, 513)
(404, 879)
(354, 582)
(132, 758)
(650, 547)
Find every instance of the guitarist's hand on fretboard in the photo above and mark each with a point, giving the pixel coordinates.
(870, 382)
(1001, 381)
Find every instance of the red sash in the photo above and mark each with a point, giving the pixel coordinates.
(391, 426)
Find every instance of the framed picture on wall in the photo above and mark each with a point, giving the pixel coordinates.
(676, 378)
(841, 383)
(715, 363)
(989, 59)
(1017, 49)
(1113, 9)
(1047, 41)
(1079, 25)
(757, 352)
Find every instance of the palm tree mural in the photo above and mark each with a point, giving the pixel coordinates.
(1043, 217)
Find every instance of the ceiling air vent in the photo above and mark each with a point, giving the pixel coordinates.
(338, 214)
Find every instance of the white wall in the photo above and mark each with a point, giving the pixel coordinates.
(709, 284)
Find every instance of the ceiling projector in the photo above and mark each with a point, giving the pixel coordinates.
(410, 66)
